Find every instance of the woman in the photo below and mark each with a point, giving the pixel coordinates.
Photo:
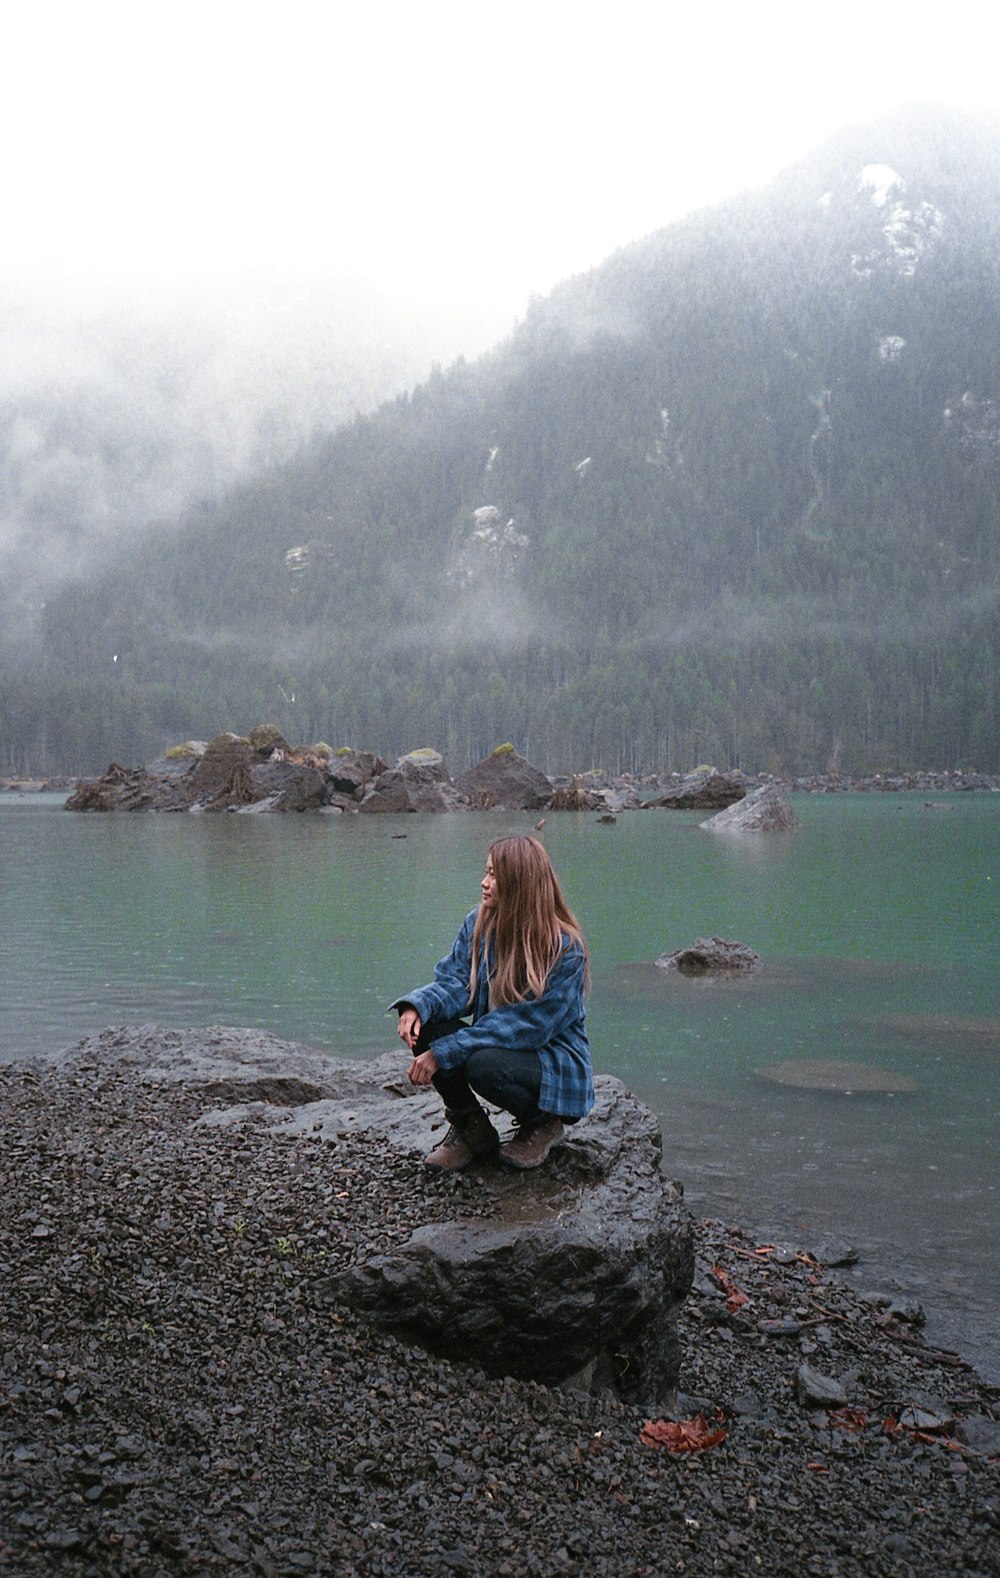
(519, 967)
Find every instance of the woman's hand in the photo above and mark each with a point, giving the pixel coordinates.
(409, 1026)
(423, 1069)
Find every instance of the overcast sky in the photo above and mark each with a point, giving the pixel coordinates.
(451, 151)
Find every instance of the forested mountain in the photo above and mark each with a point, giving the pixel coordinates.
(731, 496)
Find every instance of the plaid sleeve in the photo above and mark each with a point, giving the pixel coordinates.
(447, 996)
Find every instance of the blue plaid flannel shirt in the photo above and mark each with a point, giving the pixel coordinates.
(553, 1025)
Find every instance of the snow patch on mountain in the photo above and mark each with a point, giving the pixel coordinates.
(974, 423)
(880, 180)
(490, 548)
(909, 229)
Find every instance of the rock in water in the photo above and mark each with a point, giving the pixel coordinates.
(706, 789)
(259, 773)
(766, 810)
(709, 956)
(416, 783)
(506, 779)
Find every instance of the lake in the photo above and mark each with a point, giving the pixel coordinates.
(878, 920)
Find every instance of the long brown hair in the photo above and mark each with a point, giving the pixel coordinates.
(527, 923)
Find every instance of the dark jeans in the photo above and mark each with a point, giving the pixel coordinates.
(511, 1080)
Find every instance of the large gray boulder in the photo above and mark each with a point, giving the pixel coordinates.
(413, 786)
(351, 772)
(766, 810)
(223, 772)
(706, 789)
(388, 793)
(572, 1274)
(505, 779)
(423, 756)
(289, 786)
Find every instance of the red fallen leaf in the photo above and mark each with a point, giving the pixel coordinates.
(735, 1297)
(852, 1419)
(892, 1427)
(681, 1435)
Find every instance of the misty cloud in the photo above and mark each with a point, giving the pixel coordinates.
(730, 626)
(121, 416)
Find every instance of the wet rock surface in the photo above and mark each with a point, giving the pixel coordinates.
(180, 1394)
(578, 1267)
(572, 1275)
(417, 783)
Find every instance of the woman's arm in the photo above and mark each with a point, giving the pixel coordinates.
(447, 996)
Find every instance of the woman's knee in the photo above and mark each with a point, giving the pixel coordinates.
(508, 1079)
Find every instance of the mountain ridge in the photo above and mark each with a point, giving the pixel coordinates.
(730, 495)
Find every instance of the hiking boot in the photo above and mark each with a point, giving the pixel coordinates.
(477, 1131)
(471, 1137)
(531, 1146)
(451, 1154)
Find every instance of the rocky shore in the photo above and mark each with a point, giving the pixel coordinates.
(184, 1390)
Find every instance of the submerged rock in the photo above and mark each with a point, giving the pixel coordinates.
(839, 1077)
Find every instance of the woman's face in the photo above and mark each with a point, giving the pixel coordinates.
(488, 887)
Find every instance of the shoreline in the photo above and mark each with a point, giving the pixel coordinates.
(922, 780)
(180, 1391)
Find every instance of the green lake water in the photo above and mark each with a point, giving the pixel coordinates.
(878, 920)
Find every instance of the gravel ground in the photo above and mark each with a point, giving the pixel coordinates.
(180, 1394)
